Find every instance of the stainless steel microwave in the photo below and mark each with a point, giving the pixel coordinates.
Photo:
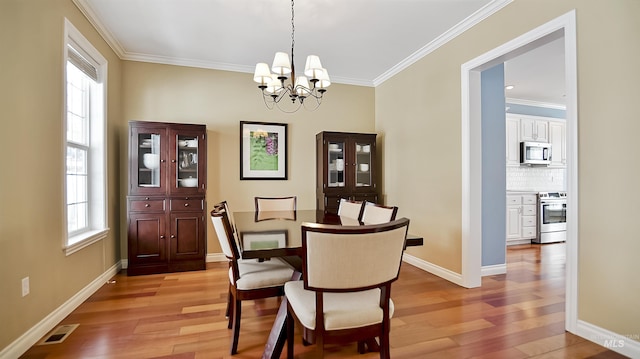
(535, 153)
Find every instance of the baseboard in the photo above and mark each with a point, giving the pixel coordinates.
(211, 257)
(493, 269)
(627, 345)
(518, 241)
(443, 273)
(31, 336)
(216, 257)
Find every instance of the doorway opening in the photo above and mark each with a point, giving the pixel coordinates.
(562, 27)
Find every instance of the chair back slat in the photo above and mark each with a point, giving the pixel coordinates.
(232, 221)
(350, 209)
(338, 258)
(224, 232)
(283, 204)
(373, 213)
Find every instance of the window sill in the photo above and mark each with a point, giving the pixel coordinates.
(84, 240)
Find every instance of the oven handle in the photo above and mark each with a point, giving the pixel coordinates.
(553, 201)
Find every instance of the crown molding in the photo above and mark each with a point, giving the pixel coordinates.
(167, 60)
(517, 101)
(108, 37)
(473, 19)
(486, 11)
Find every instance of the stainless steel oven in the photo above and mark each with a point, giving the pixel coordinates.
(552, 217)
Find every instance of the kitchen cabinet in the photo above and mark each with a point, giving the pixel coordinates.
(557, 138)
(534, 129)
(166, 202)
(513, 141)
(521, 218)
(345, 168)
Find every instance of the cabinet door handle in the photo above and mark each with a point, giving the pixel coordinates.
(172, 236)
(173, 161)
(163, 161)
(147, 205)
(186, 204)
(161, 237)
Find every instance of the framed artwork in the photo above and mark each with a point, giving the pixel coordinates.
(264, 240)
(263, 151)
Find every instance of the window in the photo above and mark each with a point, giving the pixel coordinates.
(85, 145)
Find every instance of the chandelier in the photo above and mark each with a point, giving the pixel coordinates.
(273, 85)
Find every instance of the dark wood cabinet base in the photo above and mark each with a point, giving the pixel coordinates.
(166, 268)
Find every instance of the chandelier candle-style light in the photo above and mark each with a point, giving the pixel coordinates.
(273, 84)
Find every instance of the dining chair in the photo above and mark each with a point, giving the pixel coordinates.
(248, 279)
(232, 222)
(275, 208)
(350, 209)
(275, 204)
(345, 294)
(225, 206)
(373, 213)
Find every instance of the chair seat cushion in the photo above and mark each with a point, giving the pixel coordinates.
(341, 310)
(254, 274)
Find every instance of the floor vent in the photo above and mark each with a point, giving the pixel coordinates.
(59, 334)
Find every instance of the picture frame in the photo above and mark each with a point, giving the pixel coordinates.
(263, 151)
(264, 240)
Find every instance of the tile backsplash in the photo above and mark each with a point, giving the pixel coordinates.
(526, 178)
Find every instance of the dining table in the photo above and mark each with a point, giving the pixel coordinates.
(278, 234)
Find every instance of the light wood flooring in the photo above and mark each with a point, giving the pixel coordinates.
(181, 316)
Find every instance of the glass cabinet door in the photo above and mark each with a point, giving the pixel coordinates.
(186, 157)
(149, 160)
(336, 164)
(363, 168)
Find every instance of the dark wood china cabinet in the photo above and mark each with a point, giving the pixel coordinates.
(345, 168)
(166, 202)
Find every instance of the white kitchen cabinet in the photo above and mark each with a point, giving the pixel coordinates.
(557, 138)
(521, 218)
(534, 129)
(514, 219)
(513, 141)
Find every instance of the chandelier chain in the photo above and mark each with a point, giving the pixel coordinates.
(293, 42)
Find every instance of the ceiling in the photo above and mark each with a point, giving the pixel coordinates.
(360, 42)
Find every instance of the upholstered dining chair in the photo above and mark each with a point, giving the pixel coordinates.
(232, 222)
(350, 209)
(275, 203)
(275, 208)
(248, 279)
(345, 294)
(373, 213)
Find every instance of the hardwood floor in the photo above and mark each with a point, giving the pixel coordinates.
(181, 316)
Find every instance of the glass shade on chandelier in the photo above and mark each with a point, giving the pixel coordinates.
(313, 84)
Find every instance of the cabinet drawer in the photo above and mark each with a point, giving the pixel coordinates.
(187, 204)
(529, 221)
(528, 210)
(146, 205)
(528, 232)
(529, 199)
(513, 200)
(370, 197)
